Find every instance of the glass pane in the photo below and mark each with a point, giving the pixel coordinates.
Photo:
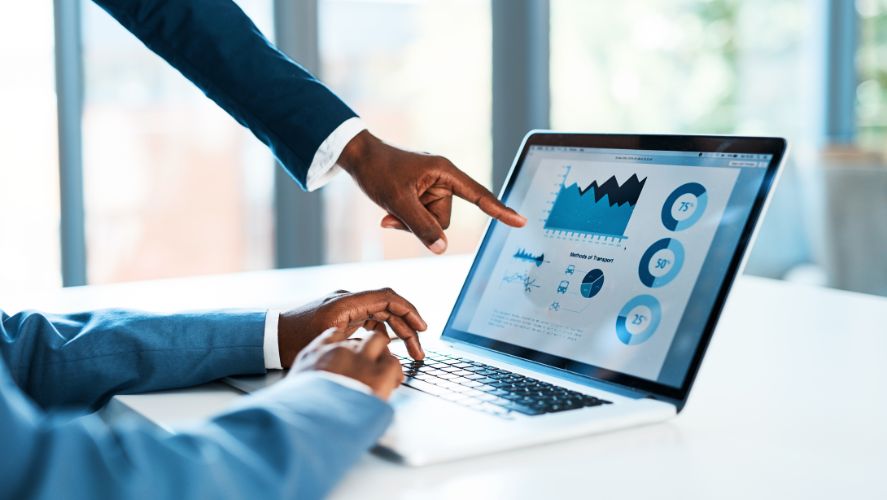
(173, 185)
(871, 95)
(749, 67)
(29, 189)
(418, 72)
(718, 66)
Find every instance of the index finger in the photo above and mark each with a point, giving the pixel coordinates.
(470, 190)
(408, 335)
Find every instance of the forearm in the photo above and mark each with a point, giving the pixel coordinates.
(84, 359)
(216, 46)
(295, 442)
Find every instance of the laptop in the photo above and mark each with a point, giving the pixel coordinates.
(596, 315)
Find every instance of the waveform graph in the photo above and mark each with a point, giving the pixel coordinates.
(597, 211)
(523, 255)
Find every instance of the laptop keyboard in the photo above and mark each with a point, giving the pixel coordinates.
(489, 389)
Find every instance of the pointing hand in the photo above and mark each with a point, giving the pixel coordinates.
(417, 189)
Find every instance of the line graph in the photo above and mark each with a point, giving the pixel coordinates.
(527, 281)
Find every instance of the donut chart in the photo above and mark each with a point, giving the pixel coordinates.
(638, 319)
(684, 206)
(661, 263)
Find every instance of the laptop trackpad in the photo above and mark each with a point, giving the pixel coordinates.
(425, 424)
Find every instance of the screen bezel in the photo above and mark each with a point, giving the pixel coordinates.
(702, 143)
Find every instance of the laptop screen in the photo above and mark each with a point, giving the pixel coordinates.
(620, 263)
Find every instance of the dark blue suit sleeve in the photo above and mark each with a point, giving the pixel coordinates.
(216, 46)
(294, 440)
(83, 359)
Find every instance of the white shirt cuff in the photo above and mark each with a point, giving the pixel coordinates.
(344, 381)
(269, 346)
(323, 166)
(272, 356)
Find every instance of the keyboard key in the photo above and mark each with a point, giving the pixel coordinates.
(499, 401)
(452, 396)
(452, 387)
(425, 387)
(470, 401)
(526, 410)
(492, 409)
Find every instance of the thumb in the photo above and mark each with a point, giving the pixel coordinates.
(423, 224)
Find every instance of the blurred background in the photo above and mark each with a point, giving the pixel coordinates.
(114, 168)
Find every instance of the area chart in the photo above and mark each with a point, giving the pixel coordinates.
(598, 209)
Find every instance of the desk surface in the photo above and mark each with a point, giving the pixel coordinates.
(790, 402)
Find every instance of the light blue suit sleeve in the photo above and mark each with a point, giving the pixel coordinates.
(294, 440)
(81, 360)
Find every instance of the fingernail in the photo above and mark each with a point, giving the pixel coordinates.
(439, 246)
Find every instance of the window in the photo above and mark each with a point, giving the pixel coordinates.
(688, 66)
(654, 67)
(871, 95)
(418, 73)
(718, 66)
(173, 185)
(29, 186)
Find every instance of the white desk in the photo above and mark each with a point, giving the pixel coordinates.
(790, 403)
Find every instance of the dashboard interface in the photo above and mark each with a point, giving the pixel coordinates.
(620, 262)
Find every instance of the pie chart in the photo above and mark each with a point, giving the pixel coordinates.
(592, 283)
